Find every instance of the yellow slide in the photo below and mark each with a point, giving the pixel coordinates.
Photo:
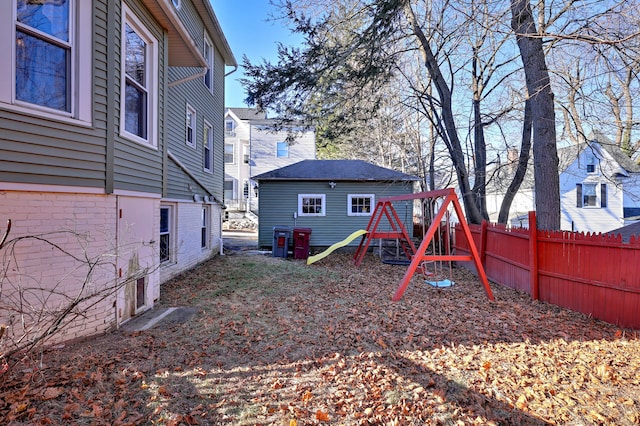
(336, 246)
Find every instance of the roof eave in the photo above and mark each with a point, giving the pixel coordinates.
(213, 26)
(183, 51)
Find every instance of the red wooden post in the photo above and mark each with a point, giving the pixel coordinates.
(533, 256)
(483, 242)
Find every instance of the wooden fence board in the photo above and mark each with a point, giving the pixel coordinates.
(598, 275)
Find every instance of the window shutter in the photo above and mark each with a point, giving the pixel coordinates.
(603, 195)
(579, 195)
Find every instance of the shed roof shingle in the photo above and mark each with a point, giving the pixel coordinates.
(355, 170)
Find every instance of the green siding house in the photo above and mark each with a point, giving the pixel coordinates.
(99, 157)
(332, 197)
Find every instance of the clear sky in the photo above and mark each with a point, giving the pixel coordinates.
(249, 31)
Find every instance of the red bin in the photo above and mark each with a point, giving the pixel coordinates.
(301, 238)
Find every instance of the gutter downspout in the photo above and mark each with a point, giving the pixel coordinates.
(191, 175)
(235, 68)
(191, 77)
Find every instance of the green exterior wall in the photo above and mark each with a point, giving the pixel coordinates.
(278, 200)
(40, 150)
(138, 167)
(209, 107)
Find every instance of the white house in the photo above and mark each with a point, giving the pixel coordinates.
(253, 146)
(599, 189)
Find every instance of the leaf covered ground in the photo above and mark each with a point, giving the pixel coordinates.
(277, 342)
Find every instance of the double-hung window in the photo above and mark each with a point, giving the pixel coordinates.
(311, 205)
(228, 190)
(138, 103)
(591, 195)
(191, 127)
(45, 57)
(591, 163)
(229, 128)
(165, 234)
(204, 228)
(282, 149)
(228, 153)
(208, 56)
(207, 145)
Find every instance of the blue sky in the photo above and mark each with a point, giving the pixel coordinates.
(249, 31)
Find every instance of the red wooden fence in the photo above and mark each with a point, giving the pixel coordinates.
(598, 275)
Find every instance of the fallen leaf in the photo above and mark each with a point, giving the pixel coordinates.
(52, 393)
(322, 416)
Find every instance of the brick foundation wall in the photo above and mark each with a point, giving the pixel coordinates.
(68, 227)
(188, 226)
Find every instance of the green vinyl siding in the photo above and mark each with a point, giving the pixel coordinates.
(209, 107)
(279, 200)
(138, 167)
(39, 150)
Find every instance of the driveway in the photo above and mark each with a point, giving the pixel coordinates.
(240, 242)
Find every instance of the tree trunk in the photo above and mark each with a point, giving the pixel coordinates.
(523, 162)
(545, 153)
(454, 146)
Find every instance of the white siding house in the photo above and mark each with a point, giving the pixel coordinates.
(253, 146)
(599, 189)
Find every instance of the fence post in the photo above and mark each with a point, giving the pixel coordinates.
(483, 242)
(533, 256)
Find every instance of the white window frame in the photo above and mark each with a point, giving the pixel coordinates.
(350, 198)
(171, 233)
(302, 197)
(232, 190)
(596, 196)
(208, 53)
(278, 144)
(191, 122)
(591, 163)
(151, 74)
(245, 154)
(207, 143)
(177, 4)
(232, 153)
(230, 131)
(205, 216)
(81, 56)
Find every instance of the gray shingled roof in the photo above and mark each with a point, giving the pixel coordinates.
(627, 231)
(339, 170)
(248, 113)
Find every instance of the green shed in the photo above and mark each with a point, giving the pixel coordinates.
(331, 197)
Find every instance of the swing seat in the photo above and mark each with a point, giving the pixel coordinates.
(440, 284)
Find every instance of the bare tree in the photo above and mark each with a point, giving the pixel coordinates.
(36, 310)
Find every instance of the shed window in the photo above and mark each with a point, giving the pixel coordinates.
(360, 204)
(311, 205)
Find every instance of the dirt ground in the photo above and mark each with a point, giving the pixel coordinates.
(277, 342)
